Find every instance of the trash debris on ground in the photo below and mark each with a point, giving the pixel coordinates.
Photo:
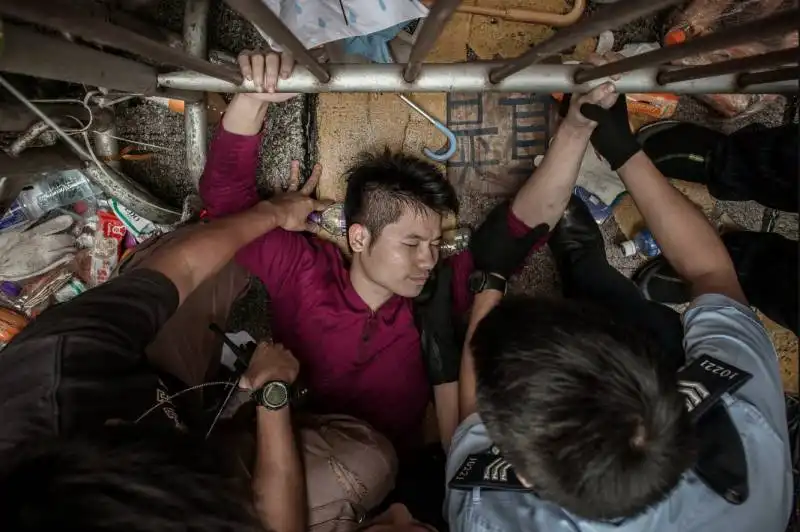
(701, 17)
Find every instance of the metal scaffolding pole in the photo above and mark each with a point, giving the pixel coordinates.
(756, 80)
(259, 14)
(462, 77)
(60, 17)
(195, 114)
(612, 16)
(732, 66)
(431, 28)
(772, 26)
(26, 51)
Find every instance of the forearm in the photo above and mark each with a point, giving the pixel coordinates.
(278, 479)
(446, 403)
(484, 303)
(201, 251)
(228, 184)
(686, 238)
(545, 195)
(244, 115)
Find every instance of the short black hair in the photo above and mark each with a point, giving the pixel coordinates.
(579, 406)
(124, 480)
(380, 186)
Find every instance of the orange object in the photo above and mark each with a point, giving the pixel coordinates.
(11, 323)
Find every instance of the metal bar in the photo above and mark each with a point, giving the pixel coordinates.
(259, 14)
(28, 52)
(195, 115)
(772, 26)
(432, 27)
(462, 77)
(756, 80)
(113, 183)
(613, 16)
(732, 66)
(558, 20)
(60, 17)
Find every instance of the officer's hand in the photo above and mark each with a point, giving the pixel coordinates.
(433, 312)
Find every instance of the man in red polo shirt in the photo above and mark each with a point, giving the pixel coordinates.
(349, 323)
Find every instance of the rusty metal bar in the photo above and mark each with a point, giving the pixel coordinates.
(732, 66)
(195, 114)
(751, 79)
(61, 17)
(461, 77)
(613, 16)
(772, 26)
(259, 14)
(432, 27)
(29, 52)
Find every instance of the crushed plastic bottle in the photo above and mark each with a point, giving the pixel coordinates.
(455, 241)
(643, 243)
(54, 190)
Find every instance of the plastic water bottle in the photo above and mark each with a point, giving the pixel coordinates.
(642, 243)
(54, 190)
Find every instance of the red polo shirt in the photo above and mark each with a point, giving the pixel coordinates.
(355, 361)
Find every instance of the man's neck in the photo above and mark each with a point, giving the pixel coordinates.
(372, 294)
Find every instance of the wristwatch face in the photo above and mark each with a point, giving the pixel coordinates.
(274, 395)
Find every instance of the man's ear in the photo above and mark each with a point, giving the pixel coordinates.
(358, 237)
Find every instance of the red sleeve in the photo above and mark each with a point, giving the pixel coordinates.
(228, 184)
(463, 265)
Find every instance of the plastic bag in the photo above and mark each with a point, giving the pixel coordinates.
(702, 17)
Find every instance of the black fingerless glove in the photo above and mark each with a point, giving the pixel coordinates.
(612, 138)
(439, 339)
(495, 250)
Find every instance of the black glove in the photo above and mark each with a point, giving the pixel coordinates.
(495, 250)
(612, 138)
(433, 314)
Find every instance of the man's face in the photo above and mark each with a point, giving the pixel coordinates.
(402, 257)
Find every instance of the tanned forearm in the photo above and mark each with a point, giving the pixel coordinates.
(484, 302)
(687, 239)
(545, 195)
(278, 480)
(446, 402)
(244, 115)
(201, 251)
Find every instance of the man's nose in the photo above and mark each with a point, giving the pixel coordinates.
(427, 257)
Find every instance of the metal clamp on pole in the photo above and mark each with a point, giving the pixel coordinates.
(259, 14)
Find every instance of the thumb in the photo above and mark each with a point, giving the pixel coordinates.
(594, 112)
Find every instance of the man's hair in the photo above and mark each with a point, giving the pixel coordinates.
(123, 482)
(578, 405)
(381, 186)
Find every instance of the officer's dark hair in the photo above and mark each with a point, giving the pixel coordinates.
(382, 185)
(577, 404)
(123, 480)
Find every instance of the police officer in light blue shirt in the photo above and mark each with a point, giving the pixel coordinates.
(603, 411)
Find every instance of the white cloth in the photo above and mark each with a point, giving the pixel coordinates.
(317, 22)
(32, 252)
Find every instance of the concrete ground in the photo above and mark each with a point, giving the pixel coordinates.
(292, 133)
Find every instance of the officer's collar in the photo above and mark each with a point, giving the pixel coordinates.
(703, 382)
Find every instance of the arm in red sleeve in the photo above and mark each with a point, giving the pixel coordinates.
(228, 184)
(463, 266)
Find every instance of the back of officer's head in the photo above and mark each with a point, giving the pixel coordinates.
(577, 405)
(123, 480)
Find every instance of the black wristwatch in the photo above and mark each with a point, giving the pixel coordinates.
(480, 281)
(274, 395)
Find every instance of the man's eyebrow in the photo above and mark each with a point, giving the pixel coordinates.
(419, 237)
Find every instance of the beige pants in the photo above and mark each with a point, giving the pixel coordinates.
(349, 466)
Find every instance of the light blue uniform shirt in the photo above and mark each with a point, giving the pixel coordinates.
(714, 325)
